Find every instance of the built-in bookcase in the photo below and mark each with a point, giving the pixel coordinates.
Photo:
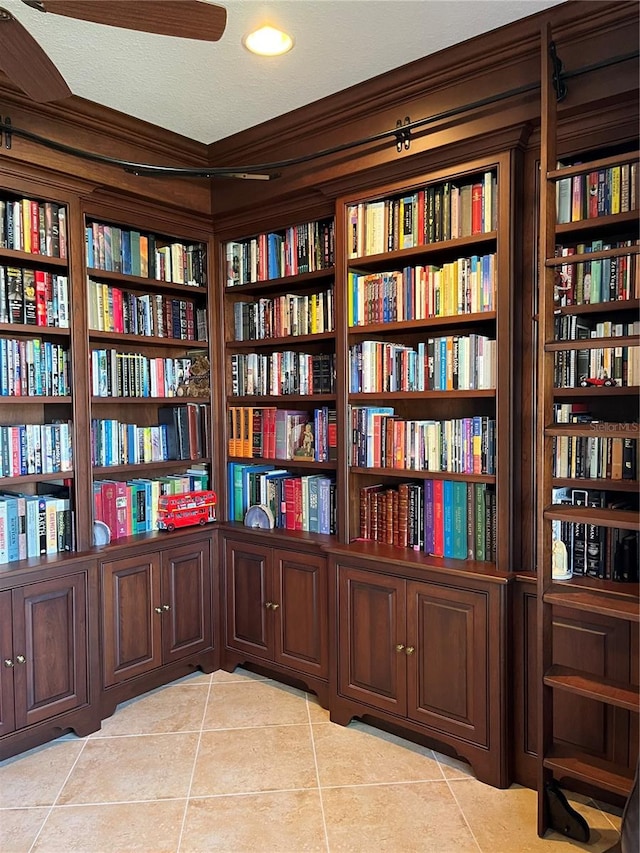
(587, 445)
(37, 465)
(426, 367)
(148, 329)
(280, 376)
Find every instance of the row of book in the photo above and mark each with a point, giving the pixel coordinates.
(182, 433)
(34, 297)
(112, 309)
(448, 363)
(281, 373)
(443, 518)
(306, 503)
(600, 280)
(573, 327)
(38, 227)
(133, 374)
(281, 316)
(619, 364)
(127, 251)
(464, 286)
(35, 449)
(130, 507)
(439, 212)
(590, 549)
(601, 192)
(273, 433)
(381, 439)
(292, 251)
(595, 456)
(35, 525)
(34, 368)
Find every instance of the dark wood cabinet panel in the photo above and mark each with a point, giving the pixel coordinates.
(301, 636)
(131, 624)
(186, 590)
(276, 603)
(156, 609)
(372, 639)
(7, 713)
(447, 675)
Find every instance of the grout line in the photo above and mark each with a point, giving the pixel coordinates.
(193, 769)
(57, 797)
(464, 817)
(315, 761)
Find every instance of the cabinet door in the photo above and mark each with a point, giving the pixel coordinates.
(301, 639)
(372, 639)
(7, 664)
(448, 673)
(50, 648)
(247, 591)
(131, 624)
(186, 600)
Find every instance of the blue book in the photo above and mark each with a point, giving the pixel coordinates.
(324, 505)
(442, 380)
(126, 251)
(447, 508)
(459, 520)
(12, 528)
(89, 245)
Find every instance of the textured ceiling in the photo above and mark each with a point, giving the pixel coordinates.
(207, 91)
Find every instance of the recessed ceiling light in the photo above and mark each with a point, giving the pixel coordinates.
(268, 41)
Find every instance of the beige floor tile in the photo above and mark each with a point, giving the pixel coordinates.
(116, 828)
(504, 821)
(317, 714)
(19, 828)
(282, 822)
(358, 754)
(454, 768)
(221, 676)
(169, 709)
(264, 759)
(258, 703)
(144, 767)
(36, 777)
(420, 817)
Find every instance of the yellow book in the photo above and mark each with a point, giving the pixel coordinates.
(615, 189)
(25, 215)
(144, 256)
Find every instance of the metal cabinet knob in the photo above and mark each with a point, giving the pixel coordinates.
(274, 606)
(269, 605)
(21, 659)
(158, 609)
(410, 650)
(400, 647)
(166, 607)
(8, 662)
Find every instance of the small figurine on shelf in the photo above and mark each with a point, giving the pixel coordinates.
(186, 509)
(197, 383)
(597, 381)
(306, 448)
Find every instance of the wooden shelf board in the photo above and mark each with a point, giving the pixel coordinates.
(427, 322)
(133, 469)
(592, 165)
(15, 255)
(585, 684)
(302, 280)
(33, 400)
(608, 429)
(585, 768)
(403, 473)
(601, 307)
(362, 397)
(369, 262)
(120, 338)
(584, 483)
(289, 340)
(134, 282)
(593, 393)
(19, 329)
(17, 482)
(592, 601)
(609, 342)
(603, 517)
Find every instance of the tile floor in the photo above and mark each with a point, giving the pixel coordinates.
(239, 763)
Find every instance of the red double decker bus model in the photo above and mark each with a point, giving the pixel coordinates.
(186, 509)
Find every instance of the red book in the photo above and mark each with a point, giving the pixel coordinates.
(35, 228)
(476, 209)
(108, 500)
(41, 298)
(438, 519)
(123, 509)
(592, 202)
(297, 497)
(289, 495)
(118, 314)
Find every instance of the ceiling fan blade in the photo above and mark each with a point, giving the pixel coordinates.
(190, 19)
(27, 65)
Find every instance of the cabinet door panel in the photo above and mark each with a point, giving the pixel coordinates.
(7, 717)
(50, 632)
(131, 626)
(371, 667)
(186, 589)
(301, 627)
(448, 674)
(247, 575)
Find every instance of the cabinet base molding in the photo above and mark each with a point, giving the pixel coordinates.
(292, 679)
(81, 723)
(485, 765)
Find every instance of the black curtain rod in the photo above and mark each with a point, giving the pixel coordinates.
(401, 134)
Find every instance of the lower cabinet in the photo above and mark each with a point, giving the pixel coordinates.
(427, 655)
(276, 610)
(156, 611)
(45, 673)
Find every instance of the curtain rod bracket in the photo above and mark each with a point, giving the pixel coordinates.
(557, 78)
(403, 134)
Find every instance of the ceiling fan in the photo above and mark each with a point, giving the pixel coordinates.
(27, 65)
